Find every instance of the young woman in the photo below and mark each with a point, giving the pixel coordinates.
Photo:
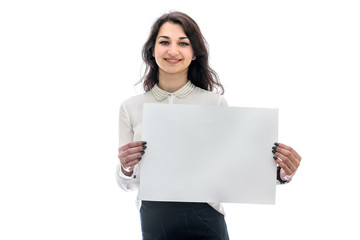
(177, 72)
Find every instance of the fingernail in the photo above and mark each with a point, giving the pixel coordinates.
(142, 152)
(143, 143)
(273, 151)
(276, 144)
(274, 148)
(139, 158)
(144, 147)
(275, 157)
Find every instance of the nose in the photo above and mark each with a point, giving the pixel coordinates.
(173, 50)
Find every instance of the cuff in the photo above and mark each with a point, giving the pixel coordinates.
(278, 178)
(121, 174)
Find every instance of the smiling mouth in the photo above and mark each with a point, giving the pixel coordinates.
(172, 60)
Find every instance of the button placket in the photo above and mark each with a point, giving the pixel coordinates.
(171, 98)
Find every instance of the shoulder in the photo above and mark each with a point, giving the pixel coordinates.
(135, 100)
(209, 97)
(204, 92)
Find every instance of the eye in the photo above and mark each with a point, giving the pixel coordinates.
(184, 44)
(164, 43)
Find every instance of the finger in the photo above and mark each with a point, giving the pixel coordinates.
(131, 165)
(285, 159)
(287, 151)
(134, 162)
(131, 159)
(283, 166)
(132, 145)
(297, 156)
(130, 151)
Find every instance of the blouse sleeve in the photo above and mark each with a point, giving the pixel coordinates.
(126, 135)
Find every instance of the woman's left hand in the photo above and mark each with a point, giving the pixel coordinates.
(288, 159)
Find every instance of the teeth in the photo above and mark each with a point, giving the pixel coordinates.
(173, 60)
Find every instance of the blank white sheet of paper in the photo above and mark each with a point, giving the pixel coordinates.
(208, 154)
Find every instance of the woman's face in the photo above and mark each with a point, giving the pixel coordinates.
(173, 51)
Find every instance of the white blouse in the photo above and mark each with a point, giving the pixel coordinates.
(130, 123)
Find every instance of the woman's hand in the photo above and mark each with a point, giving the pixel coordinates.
(130, 154)
(288, 159)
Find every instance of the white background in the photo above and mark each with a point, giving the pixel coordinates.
(65, 67)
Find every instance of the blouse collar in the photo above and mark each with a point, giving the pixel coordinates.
(182, 92)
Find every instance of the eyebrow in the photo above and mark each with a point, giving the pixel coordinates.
(169, 37)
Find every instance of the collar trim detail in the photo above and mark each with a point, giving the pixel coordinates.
(182, 92)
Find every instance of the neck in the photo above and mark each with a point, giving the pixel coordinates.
(171, 83)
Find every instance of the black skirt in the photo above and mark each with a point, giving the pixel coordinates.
(181, 220)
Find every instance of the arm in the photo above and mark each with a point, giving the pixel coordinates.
(129, 154)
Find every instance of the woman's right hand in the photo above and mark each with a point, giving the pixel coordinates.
(130, 154)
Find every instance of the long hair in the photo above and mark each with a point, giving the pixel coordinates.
(199, 72)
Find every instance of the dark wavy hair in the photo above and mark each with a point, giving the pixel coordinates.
(199, 72)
